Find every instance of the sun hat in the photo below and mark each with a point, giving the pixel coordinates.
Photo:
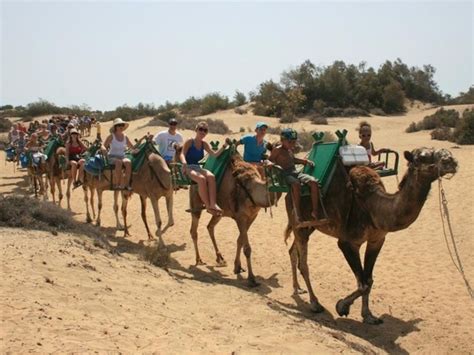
(118, 121)
(289, 133)
(261, 125)
(73, 131)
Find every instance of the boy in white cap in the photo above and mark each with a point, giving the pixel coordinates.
(167, 139)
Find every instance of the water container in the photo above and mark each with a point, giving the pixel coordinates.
(352, 154)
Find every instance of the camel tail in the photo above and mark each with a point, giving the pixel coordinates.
(287, 233)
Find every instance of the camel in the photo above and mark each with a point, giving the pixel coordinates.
(241, 195)
(56, 174)
(362, 211)
(35, 174)
(153, 181)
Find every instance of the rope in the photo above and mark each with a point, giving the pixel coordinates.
(444, 211)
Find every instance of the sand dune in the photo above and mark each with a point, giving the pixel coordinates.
(98, 301)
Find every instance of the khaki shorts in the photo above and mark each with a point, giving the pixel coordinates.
(295, 177)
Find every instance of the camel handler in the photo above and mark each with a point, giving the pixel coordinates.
(255, 147)
(167, 139)
(283, 156)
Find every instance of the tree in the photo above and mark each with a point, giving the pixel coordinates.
(393, 98)
(239, 98)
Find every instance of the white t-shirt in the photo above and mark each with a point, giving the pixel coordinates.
(165, 142)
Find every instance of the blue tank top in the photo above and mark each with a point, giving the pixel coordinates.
(194, 155)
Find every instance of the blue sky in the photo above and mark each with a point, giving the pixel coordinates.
(107, 54)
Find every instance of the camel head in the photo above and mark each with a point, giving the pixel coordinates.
(431, 163)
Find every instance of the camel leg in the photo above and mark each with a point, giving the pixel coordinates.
(143, 204)
(99, 205)
(243, 229)
(302, 251)
(297, 290)
(52, 188)
(237, 263)
(211, 228)
(86, 200)
(169, 208)
(371, 253)
(118, 225)
(68, 192)
(156, 212)
(194, 235)
(92, 190)
(351, 253)
(124, 215)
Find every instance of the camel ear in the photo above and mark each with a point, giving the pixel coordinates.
(269, 146)
(408, 156)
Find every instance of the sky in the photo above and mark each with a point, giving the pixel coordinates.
(106, 54)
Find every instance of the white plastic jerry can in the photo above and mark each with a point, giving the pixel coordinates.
(353, 154)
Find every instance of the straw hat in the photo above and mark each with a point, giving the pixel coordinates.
(118, 121)
(73, 131)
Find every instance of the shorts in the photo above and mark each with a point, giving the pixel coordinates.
(113, 158)
(194, 167)
(295, 177)
(75, 157)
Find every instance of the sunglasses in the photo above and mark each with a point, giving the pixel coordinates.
(201, 129)
(120, 125)
(173, 124)
(365, 135)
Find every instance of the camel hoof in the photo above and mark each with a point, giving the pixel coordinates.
(120, 227)
(238, 270)
(370, 319)
(127, 235)
(252, 283)
(221, 262)
(343, 308)
(316, 307)
(88, 219)
(97, 223)
(299, 291)
(200, 262)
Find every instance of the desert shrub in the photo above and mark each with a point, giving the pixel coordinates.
(377, 112)
(354, 112)
(157, 122)
(464, 131)
(393, 98)
(5, 125)
(319, 105)
(240, 111)
(242, 130)
(306, 140)
(316, 119)
(442, 134)
(6, 107)
(332, 112)
(213, 102)
(288, 118)
(412, 128)
(29, 213)
(239, 98)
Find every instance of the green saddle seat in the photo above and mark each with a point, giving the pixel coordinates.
(323, 155)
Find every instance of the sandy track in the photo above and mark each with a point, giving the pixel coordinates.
(417, 290)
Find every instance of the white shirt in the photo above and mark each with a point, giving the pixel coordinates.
(165, 141)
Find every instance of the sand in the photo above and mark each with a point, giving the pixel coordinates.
(63, 293)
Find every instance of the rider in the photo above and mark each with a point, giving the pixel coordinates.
(191, 154)
(365, 134)
(283, 156)
(254, 146)
(116, 143)
(166, 140)
(74, 149)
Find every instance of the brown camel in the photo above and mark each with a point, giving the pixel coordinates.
(153, 181)
(241, 195)
(362, 211)
(57, 174)
(37, 183)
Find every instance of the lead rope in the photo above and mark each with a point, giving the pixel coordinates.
(444, 211)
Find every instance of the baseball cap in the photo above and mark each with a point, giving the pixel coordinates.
(172, 121)
(261, 125)
(289, 133)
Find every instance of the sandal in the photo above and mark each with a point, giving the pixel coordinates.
(76, 184)
(214, 212)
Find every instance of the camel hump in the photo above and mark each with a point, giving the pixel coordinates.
(365, 180)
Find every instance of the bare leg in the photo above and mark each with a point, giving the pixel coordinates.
(211, 227)
(81, 170)
(202, 187)
(128, 172)
(73, 171)
(212, 189)
(118, 173)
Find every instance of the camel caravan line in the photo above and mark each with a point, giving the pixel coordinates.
(353, 205)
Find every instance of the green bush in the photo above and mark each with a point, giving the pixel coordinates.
(6, 107)
(288, 118)
(441, 118)
(464, 131)
(242, 130)
(413, 127)
(442, 134)
(332, 112)
(378, 112)
(239, 98)
(393, 98)
(240, 111)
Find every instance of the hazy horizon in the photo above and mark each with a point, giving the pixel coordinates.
(108, 54)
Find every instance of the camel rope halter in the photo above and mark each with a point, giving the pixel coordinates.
(444, 212)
